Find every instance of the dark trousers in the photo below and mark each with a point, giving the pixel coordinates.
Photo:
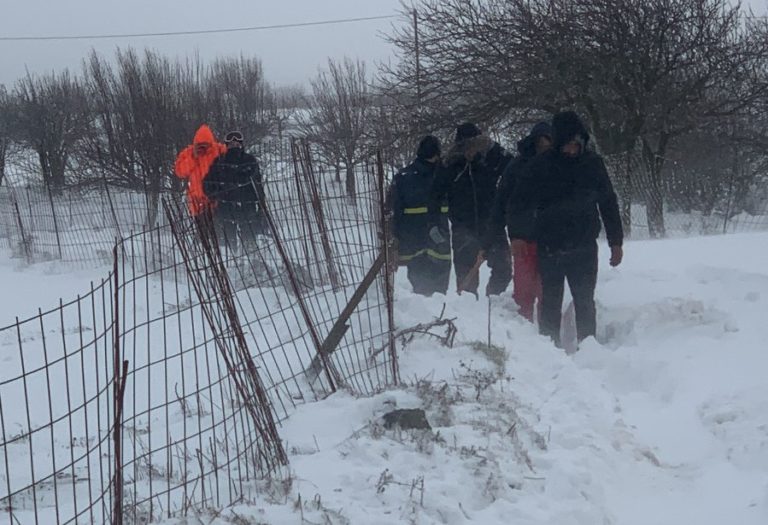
(429, 275)
(579, 267)
(466, 246)
(237, 224)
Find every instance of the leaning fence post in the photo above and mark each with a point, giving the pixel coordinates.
(327, 365)
(387, 265)
(118, 395)
(55, 220)
(317, 206)
(112, 209)
(24, 242)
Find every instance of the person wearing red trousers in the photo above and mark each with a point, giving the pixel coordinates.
(519, 221)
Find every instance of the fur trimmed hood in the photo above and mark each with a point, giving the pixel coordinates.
(469, 149)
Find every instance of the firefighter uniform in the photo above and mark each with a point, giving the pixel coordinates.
(428, 262)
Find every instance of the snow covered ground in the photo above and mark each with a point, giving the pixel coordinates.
(662, 420)
(25, 289)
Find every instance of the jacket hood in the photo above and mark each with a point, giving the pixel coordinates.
(565, 126)
(429, 146)
(466, 131)
(204, 135)
(469, 149)
(527, 146)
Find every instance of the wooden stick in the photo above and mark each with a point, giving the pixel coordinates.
(471, 275)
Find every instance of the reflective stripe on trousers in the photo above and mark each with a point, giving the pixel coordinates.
(422, 210)
(430, 252)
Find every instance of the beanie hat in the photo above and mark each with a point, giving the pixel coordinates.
(567, 125)
(429, 146)
(466, 131)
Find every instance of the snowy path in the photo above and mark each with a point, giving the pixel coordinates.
(665, 422)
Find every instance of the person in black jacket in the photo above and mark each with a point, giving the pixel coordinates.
(526, 280)
(234, 184)
(568, 191)
(468, 179)
(428, 262)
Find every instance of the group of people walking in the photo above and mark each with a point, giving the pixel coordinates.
(534, 218)
(223, 182)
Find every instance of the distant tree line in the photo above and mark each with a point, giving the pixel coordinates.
(675, 93)
(121, 121)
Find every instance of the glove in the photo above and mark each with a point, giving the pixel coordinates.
(436, 235)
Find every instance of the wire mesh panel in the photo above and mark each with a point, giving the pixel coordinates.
(159, 391)
(56, 413)
(189, 441)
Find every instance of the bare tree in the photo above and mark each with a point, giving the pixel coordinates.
(50, 116)
(240, 98)
(141, 119)
(338, 116)
(6, 115)
(644, 73)
(289, 101)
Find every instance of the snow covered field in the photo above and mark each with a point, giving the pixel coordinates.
(663, 420)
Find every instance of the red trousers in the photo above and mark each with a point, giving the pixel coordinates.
(526, 279)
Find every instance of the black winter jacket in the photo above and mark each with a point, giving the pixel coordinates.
(504, 212)
(409, 195)
(229, 179)
(566, 198)
(469, 186)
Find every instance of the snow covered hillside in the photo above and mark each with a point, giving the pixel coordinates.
(663, 420)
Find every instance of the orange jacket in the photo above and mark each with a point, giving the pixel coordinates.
(193, 163)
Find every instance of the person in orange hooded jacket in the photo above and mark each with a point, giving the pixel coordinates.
(193, 164)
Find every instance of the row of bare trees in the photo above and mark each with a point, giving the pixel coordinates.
(656, 79)
(121, 121)
(675, 93)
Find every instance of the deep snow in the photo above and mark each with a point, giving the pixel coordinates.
(663, 420)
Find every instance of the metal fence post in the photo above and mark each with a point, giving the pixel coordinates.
(118, 395)
(327, 365)
(25, 244)
(55, 220)
(388, 284)
(112, 209)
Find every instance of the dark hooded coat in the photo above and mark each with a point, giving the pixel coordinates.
(469, 185)
(559, 201)
(505, 212)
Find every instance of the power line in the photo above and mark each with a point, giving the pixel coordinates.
(198, 32)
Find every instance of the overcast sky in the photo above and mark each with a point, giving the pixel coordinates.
(290, 56)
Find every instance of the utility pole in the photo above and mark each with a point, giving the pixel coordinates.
(418, 61)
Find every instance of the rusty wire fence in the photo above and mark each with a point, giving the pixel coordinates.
(161, 391)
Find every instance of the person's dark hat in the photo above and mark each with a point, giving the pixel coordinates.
(542, 129)
(566, 126)
(429, 146)
(527, 146)
(467, 131)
